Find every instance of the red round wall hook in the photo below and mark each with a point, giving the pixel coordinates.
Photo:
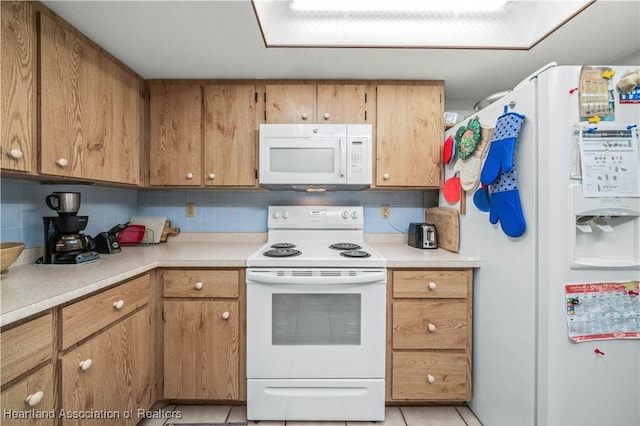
(599, 352)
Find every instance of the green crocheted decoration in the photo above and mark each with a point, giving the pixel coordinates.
(467, 138)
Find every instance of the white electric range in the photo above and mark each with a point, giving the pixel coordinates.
(316, 318)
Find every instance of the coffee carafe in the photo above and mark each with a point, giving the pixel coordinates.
(63, 240)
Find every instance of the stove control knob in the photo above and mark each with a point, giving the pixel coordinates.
(285, 214)
(276, 214)
(354, 214)
(345, 214)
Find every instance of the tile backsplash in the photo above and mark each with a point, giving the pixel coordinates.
(22, 207)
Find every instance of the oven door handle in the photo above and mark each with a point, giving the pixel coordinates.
(269, 277)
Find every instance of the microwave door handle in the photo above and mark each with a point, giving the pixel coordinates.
(343, 156)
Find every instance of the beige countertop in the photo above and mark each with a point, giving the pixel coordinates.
(28, 289)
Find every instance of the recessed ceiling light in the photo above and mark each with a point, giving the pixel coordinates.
(446, 24)
(397, 5)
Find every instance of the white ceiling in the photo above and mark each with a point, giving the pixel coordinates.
(222, 39)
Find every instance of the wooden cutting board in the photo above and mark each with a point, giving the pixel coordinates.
(168, 230)
(447, 222)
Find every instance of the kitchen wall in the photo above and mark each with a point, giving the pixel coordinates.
(22, 207)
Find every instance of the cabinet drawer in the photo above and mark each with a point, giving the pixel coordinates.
(200, 283)
(26, 346)
(87, 316)
(34, 392)
(431, 284)
(431, 376)
(430, 324)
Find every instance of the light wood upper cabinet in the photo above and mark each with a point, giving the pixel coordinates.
(322, 103)
(342, 104)
(230, 134)
(175, 135)
(18, 86)
(290, 103)
(409, 132)
(90, 109)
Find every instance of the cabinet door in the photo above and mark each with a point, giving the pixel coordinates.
(34, 392)
(409, 133)
(124, 159)
(76, 104)
(290, 103)
(230, 131)
(342, 103)
(435, 376)
(175, 134)
(118, 377)
(18, 96)
(201, 341)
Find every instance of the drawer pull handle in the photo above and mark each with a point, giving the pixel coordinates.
(386, 176)
(226, 316)
(198, 285)
(62, 162)
(431, 379)
(189, 175)
(432, 285)
(86, 364)
(211, 176)
(326, 116)
(34, 399)
(119, 304)
(432, 327)
(15, 153)
(304, 116)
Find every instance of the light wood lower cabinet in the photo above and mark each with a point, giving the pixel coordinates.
(28, 373)
(203, 337)
(31, 401)
(429, 335)
(109, 373)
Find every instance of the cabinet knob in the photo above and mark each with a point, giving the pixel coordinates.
(15, 153)
(189, 175)
(198, 285)
(430, 378)
(62, 162)
(226, 316)
(119, 304)
(34, 399)
(386, 176)
(432, 327)
(211, 176)
(432, 285)
(326, 116)
(304, 116)
(84, 365)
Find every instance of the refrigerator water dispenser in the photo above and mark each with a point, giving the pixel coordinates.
(604, 232)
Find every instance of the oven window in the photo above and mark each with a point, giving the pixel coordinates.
(301, 160)
(316, 319)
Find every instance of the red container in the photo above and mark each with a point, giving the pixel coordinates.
(132, 234)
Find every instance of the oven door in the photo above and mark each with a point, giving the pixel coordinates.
(316, 326)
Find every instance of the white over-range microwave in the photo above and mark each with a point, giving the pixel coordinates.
(315, 157)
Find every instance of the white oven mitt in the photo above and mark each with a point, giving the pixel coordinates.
(469, 169)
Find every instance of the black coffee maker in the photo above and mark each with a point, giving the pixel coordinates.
(63, 241)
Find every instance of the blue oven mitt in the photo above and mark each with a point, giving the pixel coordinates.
(503, 145)
(505, 204)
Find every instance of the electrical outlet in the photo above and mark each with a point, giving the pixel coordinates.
(191, 209)
(385, 211)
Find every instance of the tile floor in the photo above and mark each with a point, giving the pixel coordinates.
(395, 416)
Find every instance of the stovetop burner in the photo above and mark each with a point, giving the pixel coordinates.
(354, 253)
(283, 245)
(345, 246)
(282, 252)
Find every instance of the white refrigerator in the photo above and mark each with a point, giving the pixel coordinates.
(526, 369)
